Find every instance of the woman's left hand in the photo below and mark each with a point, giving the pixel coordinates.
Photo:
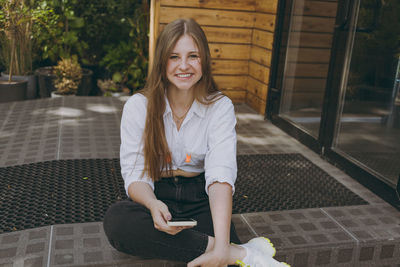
(218, 257)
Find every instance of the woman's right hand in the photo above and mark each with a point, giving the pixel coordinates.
(161, 215)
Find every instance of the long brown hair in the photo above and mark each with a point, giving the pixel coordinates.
(157, 156)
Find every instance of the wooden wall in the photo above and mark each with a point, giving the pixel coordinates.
(260, 54)
(240, 35)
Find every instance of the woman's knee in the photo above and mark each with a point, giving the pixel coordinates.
(124, 220)
(111, 217)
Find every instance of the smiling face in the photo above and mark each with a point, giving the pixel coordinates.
(184, 64)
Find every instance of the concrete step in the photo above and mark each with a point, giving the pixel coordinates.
(367, 235)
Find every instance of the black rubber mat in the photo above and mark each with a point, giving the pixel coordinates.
(58, 192)
(285, 182)
(72, 191)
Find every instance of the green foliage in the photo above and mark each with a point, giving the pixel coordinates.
(108, 87)
(68, 76)
(44, 32)
(112, 34)
(106, 23)
(128, 59)
(57, 36)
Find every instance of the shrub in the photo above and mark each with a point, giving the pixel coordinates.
(69, 75)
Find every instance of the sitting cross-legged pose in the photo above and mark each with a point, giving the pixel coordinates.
(178, 160)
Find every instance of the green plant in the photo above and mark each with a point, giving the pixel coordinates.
(108, 87)
(15, 36)
(57, 34)
(127, 60)
(105, 24)
(68, 76)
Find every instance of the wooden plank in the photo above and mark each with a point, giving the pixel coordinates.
(229, 51)
(154, 25)
(208, 17)
(238, 67)
(225, 35)
(231, 82)
(213, 4)
(312, 24)
(308, 55)
(315, 8)
(228, 35)
(259, 72)
(263, 38)
(308, 39)
(265, 21)
(261, 55)
(257, 88)
(256, 103)
(237, 96)
(307, 70)
(268, 6)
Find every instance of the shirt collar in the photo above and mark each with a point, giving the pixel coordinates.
(196, 108)
(168, 109)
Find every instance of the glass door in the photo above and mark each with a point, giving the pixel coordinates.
(367, 130)
(300, 67)
(308, 52)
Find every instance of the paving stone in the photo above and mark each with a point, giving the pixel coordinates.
(369, 222)
(26, 248)
(35, 248)
(34, 262)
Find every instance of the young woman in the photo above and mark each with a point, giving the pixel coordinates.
(178, 160)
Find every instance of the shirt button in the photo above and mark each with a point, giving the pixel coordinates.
(176, 179)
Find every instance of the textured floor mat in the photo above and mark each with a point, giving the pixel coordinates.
(285, 182)
(72, 191)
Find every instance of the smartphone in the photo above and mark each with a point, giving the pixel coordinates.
(182, 222)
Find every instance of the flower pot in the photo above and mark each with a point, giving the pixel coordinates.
(55, 95)
(46, 79)
(31, 92)
(12, 91)
(119, 94)
(86, 83)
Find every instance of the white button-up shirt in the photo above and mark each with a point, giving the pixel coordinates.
(207, 135)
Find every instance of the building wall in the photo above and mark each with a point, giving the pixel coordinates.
(240, 35)
(261, 54)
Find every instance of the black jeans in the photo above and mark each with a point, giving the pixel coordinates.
(129, 226)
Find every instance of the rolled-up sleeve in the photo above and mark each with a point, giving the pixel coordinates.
(220, 161)
(131, 150)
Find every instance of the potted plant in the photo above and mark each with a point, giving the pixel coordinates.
(127, 60)
(113, 87)
(59, 38)
(68, 77)
(47, 79)
(15, 45)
